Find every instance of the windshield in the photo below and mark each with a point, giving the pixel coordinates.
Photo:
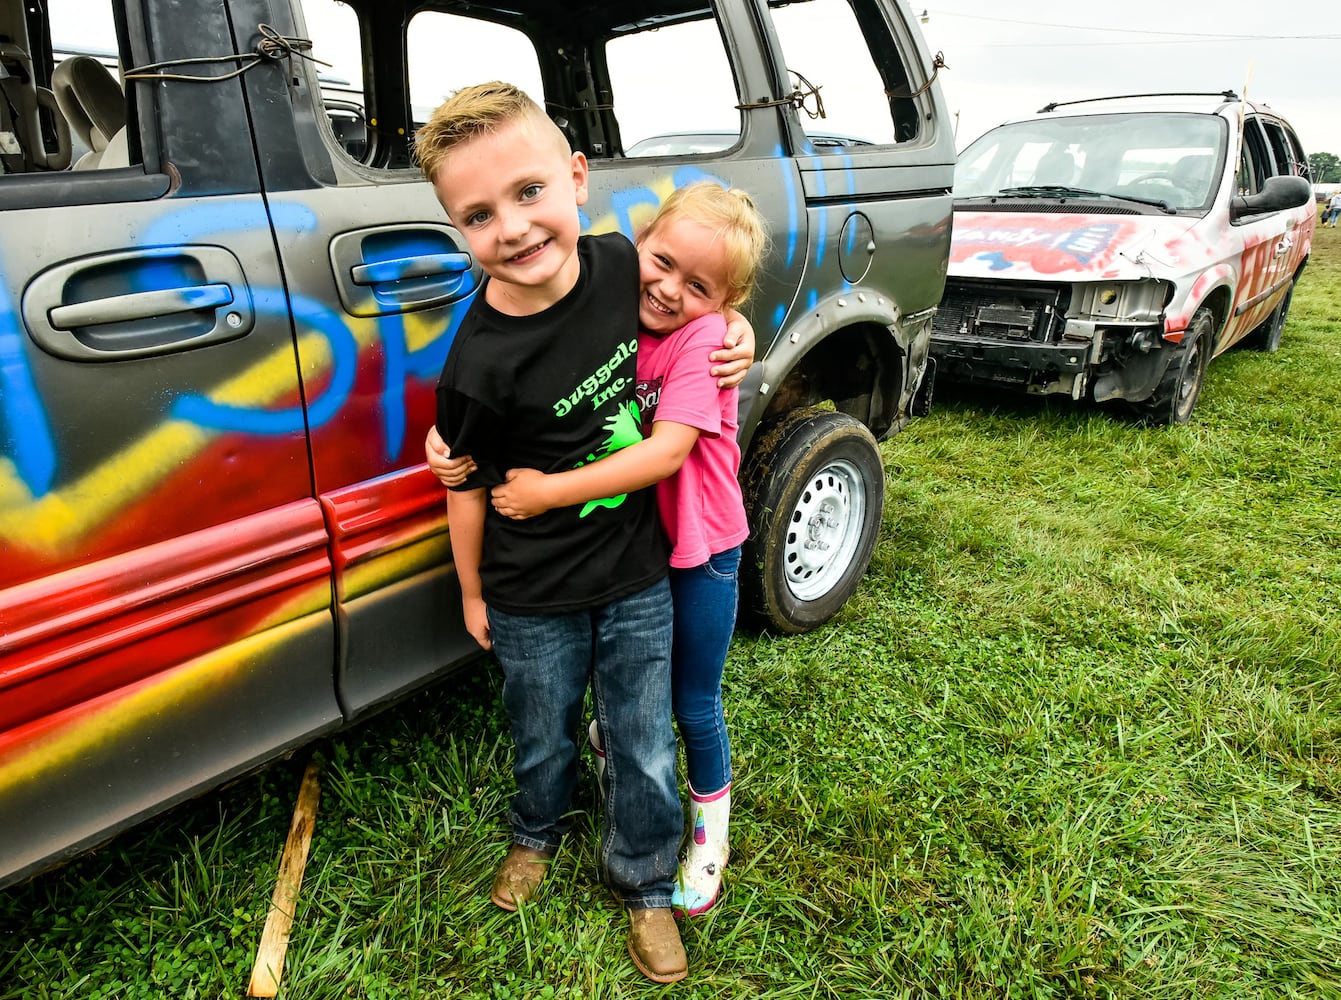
(1174, 160)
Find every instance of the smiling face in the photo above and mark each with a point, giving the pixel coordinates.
(514, 194)
(682, 268)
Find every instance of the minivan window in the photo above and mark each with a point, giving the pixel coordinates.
(1254, 159)
(842, 48)
(1282, 149)
(1170, 157)
(479, 51)
(81, 92)
(687, 112)
(336, 38)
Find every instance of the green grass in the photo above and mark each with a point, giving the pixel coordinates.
(1078, 735)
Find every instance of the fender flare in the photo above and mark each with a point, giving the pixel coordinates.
(902, 346)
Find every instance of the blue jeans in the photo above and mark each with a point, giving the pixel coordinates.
(705, 617)
(623, 650)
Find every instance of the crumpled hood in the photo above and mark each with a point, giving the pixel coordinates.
(1045, 246)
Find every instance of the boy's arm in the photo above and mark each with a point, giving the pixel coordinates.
(733, 359)
(529, 492)
(465, 518)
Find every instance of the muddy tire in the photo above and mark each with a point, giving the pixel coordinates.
(815, 491)
(1176, 395)
(1267, 336)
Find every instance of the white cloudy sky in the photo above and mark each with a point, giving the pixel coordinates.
(1011, 58)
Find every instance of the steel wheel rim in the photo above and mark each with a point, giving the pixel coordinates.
(1188, 383)
(824, 530)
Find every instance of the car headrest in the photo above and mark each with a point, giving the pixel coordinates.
(91, 100)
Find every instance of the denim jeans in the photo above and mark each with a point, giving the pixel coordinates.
(623, 650)
(705, 618)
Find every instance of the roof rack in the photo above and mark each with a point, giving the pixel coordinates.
(1228, 95)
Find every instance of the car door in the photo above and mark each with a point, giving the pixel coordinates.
(1274, 243)
(377, 281)
(165, 599)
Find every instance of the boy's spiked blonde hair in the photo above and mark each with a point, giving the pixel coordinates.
(731, 214)
(474, 111)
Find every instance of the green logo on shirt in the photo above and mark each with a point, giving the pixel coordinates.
(594, 386)
(623, 429)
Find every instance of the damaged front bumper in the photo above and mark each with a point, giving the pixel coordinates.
(1092, 338)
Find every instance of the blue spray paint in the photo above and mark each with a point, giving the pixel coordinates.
(25, 422)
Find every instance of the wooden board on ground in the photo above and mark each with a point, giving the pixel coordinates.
(269, 967)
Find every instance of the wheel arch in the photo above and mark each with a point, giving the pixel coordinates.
(1219, 301)
(855, 350)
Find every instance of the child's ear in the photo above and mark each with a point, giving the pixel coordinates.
(580, 171)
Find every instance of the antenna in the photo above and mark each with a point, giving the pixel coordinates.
(1243, 114)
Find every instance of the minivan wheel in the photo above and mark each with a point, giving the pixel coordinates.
(1176, 395)
(814, 491)
(1267, 336)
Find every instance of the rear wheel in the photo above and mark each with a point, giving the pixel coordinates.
(1176, 395)
(815, 491)
(1267, 336)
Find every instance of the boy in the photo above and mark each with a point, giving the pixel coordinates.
(541, 374)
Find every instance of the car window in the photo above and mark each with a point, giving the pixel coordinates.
(69, 111)
(662, 107)
(1254, 158)
(480, 51)
(1171, 158)
(334, 30)
(843, 50)
(1285, 150)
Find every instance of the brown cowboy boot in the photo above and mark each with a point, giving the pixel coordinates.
(654, 945)
(519, 876)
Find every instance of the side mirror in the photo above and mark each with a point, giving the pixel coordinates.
(1278, 194)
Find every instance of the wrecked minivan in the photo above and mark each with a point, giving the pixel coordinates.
(226, 294)
(1109, 249)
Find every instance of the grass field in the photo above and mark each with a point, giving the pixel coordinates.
(1078, 735)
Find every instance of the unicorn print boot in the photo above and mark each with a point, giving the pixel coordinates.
(700, 877)
(594, 738)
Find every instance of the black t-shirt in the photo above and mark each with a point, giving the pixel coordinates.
(553, 391)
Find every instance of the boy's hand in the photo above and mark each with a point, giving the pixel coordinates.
(737, 354)
(477, 620)
(522, 495)
(450, 471)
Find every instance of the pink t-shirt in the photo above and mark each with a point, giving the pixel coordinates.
(701, 506)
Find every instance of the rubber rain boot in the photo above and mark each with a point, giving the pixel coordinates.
(699, 880)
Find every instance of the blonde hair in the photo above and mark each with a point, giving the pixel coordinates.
(732, 216)
(475, 111)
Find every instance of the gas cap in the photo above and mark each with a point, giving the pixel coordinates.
(856, 247)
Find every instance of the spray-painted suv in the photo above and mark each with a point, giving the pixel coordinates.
(222, 321)
(1109, 249)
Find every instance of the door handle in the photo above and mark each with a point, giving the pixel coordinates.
(139, 303)
(425, 266)
(401, 268)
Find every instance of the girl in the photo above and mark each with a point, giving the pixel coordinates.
(698, 257)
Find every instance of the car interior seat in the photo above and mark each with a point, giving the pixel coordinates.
(1192, 173)
(1056, 167)
(25, 146)
(94, 105)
